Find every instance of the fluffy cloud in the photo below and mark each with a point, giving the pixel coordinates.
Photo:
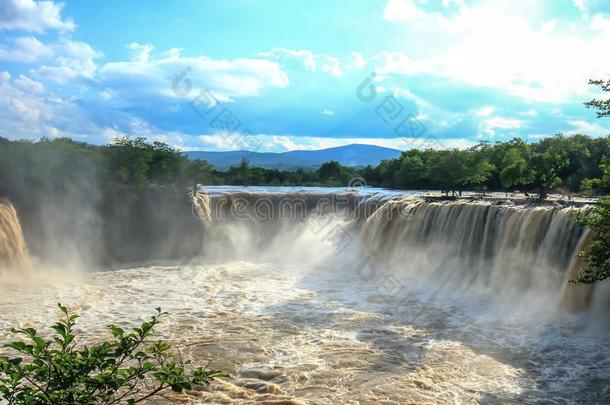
(473, 71)
(592, 6)
(489, 126)
(60, 61)
(402, 10)
(26, 50)
(145, 74)
(313, 62)
(70, 59)
(495, 44)
(35, 16)
(29, 85)
(283, 143)
(29, 111)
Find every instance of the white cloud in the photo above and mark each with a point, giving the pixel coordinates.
(282, 143)
(485, 111)
(311, 61)
(61, 61)
(355, 62)
(583, 127)
(590, 7)
(35, 16)
(28, 85)
(489, 126)
(225, 78)
(26, 50)
(29, 111)
(530, 113)
(140, 53)
(580, 4)
(495, 44)
(327, 112)
(402, 10)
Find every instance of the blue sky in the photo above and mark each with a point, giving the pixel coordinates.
(282, 75)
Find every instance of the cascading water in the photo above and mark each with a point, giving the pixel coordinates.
(13, 249)
(510, 250)
(318, 298)
(465, 247)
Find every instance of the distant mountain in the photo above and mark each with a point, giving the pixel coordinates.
(354, 155)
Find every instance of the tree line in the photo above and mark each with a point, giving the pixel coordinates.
(62, 163)
(570, 164)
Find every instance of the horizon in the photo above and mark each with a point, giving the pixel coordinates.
(202, 76)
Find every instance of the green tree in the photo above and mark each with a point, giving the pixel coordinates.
(602, 106)
(597, 257)
(244, 171)
(546, 167)
(447, 169)
(330, 171)
(412, 170)
(476, 169)
(514, 170)
(599, 185)
(123, 370)
(129, 160)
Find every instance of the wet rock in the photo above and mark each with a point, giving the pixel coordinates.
(261, 387)
(259, 372)
(504, 202)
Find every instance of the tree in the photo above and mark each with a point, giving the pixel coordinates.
(198, 171)
(129, 160)
(597, 257)
(330, 171)
(514, 170)
(477, 169)
(412, 170)
(599, 185)
(546, 167)
(244, 171)
(602, 106)
(125, 369)
(447, 169)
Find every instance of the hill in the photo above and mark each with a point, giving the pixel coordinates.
(354, 155)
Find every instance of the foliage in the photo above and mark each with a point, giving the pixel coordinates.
(546, 167)
(515, 171)
(576, 163)
(126, 369)
(597, 256)
(602, 106)
(60, 163)
(558, 161)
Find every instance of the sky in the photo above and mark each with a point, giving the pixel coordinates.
(277, 75)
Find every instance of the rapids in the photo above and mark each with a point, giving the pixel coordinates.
(361, 299)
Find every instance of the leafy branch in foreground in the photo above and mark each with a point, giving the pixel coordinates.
(124, 370)
(597, 256)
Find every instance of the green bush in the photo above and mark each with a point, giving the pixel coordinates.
(126, 369)
(597, 256)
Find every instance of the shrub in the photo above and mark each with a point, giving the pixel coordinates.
(126, 369)
(597, 256)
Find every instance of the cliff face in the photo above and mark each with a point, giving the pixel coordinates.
(154, 224)
(108, 225)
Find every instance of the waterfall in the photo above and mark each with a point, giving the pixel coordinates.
(13, 250)
(201, 205)
(507, 250)
(466, 247)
